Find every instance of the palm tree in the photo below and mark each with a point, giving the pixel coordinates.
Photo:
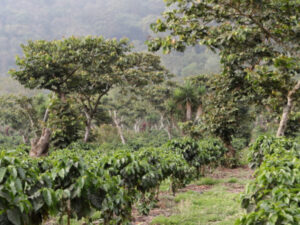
(186, 95)
(200, 84)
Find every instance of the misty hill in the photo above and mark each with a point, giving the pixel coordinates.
(22, 20)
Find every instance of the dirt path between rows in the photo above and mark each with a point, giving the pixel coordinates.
(166, 204)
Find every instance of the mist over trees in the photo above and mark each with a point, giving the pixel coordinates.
(23, 20)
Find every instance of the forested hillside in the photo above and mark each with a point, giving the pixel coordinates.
(98, 126)
(22, 20)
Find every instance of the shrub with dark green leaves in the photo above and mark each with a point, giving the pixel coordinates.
(273, 197)
(77, 182)
(266, 145)
(83, 145)
(209, 152)
(214, 151)
(65, 122)
(170, 165)
(151, 138)
(33, 189)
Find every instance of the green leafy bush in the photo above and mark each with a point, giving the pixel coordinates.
(152, 138)
(240, 143)
(65, 122)
(272, 198)
(214, 151)
(209, 152)
(10, 141)
(77, 182)
(265, 145)
(83, 145)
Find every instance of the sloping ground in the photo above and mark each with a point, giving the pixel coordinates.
(210, 200)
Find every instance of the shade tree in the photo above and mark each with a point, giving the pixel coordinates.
(23, 115)
(160, 98)
(250, 37)
(225, 112)
(129, 71)
(85, 68)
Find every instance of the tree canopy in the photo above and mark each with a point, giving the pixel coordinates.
(23, 20)
(249, 36)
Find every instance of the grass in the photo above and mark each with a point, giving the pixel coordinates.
(232, 180)
(215, 206)
(207, 181)
(218, 205)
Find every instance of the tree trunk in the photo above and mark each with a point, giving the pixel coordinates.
(232, 152)
(40, 146)
(228, 145)
(88, 124)
(25, 139)
(162, 125)
(168, 130)
(137, 126)
(117, 123)
(284, 118)
(88, 127)
(121, 134)
(287, 110)
(7, 131)
(46, 115)
(188, 111)
(199, 112)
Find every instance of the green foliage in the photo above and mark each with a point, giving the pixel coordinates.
(239, 143)
(10, 141)
(215, 151)
(227, 120)
(207, 181)
(293, 125)
(106, 134)
(83, 146)
(199, 154)
(64, 121)
(258, 50)
(231, 119)
(189, 150)
(76, 182)
(273, 196)
(151, 138)
(21, 115)
(268, 145)
(85, 69)
(81, 181)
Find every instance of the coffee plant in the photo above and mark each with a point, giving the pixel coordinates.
(272, 198)
(76, 183)
(266, 145)
(199, 154)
